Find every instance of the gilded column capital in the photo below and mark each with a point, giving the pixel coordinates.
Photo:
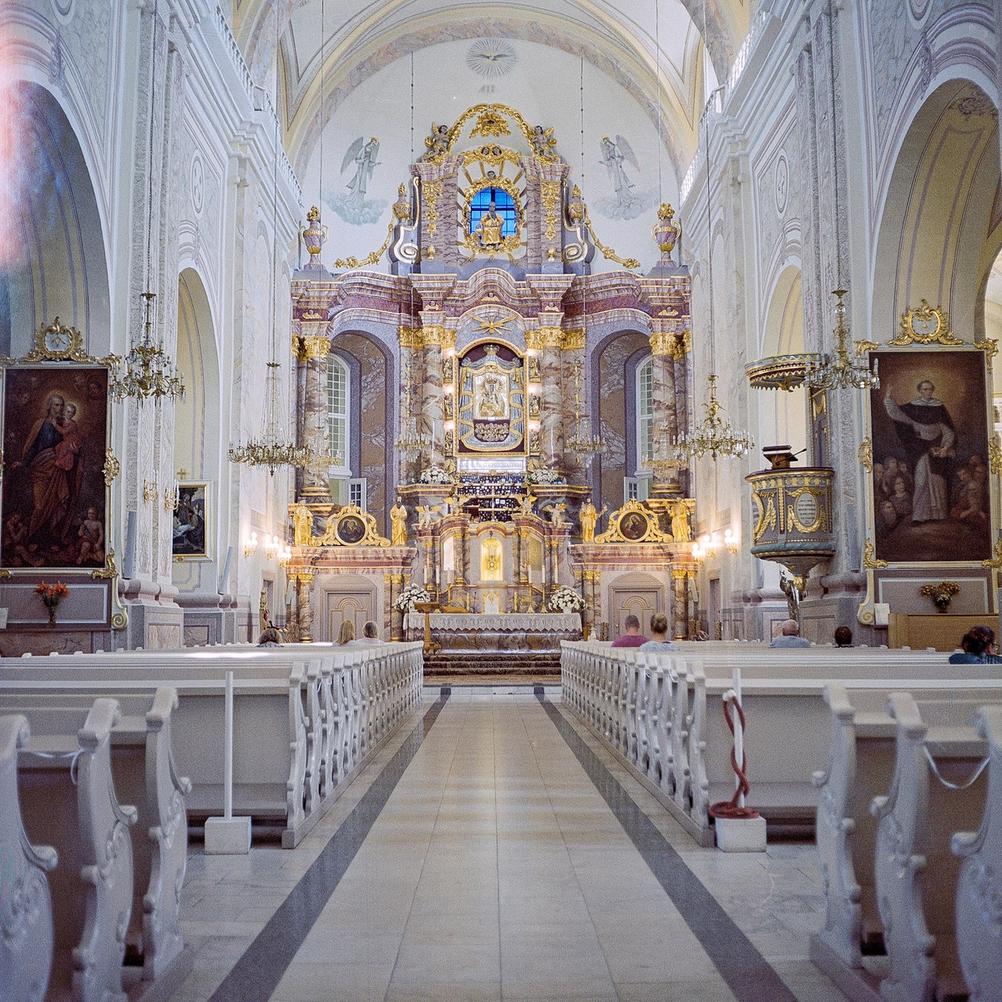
(574, 340)
(675, 344)
(437, 336)
(544, 337)
(410, 337)
(311, 346)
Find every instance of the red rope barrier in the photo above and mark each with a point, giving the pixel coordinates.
(729, 809)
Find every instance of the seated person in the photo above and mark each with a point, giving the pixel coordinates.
(790, 636)
(370, 635)
(270, 638)
(632, 637)
(843, 637)
(659, 635)
(972, 650)
(347, 632)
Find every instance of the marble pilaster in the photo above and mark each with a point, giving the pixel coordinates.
(680, 603)
(304, 608)
(313, 348)
(663, 406)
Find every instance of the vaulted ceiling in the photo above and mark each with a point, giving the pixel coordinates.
(623, 38)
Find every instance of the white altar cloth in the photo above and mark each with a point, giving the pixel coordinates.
(508, 622)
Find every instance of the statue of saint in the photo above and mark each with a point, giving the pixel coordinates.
(681, 530)
(589, 519)
(398, 525)
(557, 515)
(488, 231)
(525, 504)
(302, 525)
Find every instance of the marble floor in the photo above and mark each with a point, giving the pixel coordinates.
(494, 850)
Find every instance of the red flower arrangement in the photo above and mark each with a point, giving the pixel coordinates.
(51, 595)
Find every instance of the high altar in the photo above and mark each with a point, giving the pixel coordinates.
(497, 482)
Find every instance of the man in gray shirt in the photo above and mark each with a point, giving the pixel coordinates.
(790, 637)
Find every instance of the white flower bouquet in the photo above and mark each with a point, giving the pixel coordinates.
(411, 596)
(566, 599)
(435, 475)
(545, 475)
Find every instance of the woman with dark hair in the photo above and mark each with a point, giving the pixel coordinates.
(977, 648)
(270, 638)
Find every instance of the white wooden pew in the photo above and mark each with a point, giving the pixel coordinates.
(68, 799)
(916, 873)
(979, 887)
(144, 774)
(305, 721)
(26, 929)
(860, 767)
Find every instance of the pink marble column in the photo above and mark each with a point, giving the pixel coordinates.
(432, 409)
(551, 419)
(313, 349)
(663, 401)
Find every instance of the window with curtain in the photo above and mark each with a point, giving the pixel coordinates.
(338, 422)
(645, 414)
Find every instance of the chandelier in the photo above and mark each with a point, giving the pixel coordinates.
(714, 434)
(269, 450)
(839, 373)
(149, 372)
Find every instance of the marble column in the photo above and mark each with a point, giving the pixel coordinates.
(394, 584)
(663, 407)
(312, 352)
(409, 408)
(551, 429)
(304, 609)
(680, 611)
(435, 339)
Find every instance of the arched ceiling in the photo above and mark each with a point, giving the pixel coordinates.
(362, 36)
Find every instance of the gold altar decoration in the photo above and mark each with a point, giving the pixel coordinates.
(588, 516)
(925, 324)
(780, 372)
(110, 571)
(350, 526)
(862, 347)
(681, 512)
(398, 525)
(549, 197)
(439, 144)
(490, 124)
(675, 344)
(351, 262)
(866, 454)
(302, 524)
(870, 561)
(634, 522)
(57, 342)
(311, 346)
(995, 563)
(111, 469)
(990, 347)
(574, 340)
(608, 252)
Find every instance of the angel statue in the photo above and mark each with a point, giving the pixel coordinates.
(589, 517)
(363, 154)
(437, 143)
(614, 153)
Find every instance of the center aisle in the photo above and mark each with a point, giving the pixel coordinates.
(497, 870)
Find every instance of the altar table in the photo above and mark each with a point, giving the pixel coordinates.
(510, 631)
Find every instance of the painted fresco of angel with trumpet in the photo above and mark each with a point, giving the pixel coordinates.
(361, 158)
(628, 201)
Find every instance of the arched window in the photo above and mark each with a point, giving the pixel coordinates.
(645, 414)
(504, 206)
(338, 416)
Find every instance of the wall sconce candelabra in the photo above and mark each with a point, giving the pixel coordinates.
(251, 544)
(732, 541)
(150, 491)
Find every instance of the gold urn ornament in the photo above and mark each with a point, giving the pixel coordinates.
(666, 232)
(314, 236)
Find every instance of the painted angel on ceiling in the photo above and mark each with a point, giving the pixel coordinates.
(627, 202)
(361, 158)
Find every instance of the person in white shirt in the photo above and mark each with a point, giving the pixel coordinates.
(790, 637)
(659, 636)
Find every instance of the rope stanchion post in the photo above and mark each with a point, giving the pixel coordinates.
(739, 828)
(228, 836)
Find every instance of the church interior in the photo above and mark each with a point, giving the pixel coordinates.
(500, 500)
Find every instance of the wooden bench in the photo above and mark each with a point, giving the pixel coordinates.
(68, 800)
(979, 885)
(144, 774)
(304, 723)
(860, 767)
(26, 941)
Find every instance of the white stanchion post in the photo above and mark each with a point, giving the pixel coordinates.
(228, 835)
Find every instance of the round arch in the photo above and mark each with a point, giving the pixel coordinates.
(53, 258)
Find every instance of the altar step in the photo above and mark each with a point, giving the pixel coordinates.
(542, 664)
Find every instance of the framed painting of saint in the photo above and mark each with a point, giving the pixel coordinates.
(190, 532)
(55, 438)
(930, 477)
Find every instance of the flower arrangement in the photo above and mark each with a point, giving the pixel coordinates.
(51, 595)
(566, 599)
(411, 596)
(545, 475)
(435, 475)
(941, 593)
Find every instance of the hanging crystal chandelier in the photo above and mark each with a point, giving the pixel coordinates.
(269, 450)
(714, 434)
(149, 372)
(839, 373)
